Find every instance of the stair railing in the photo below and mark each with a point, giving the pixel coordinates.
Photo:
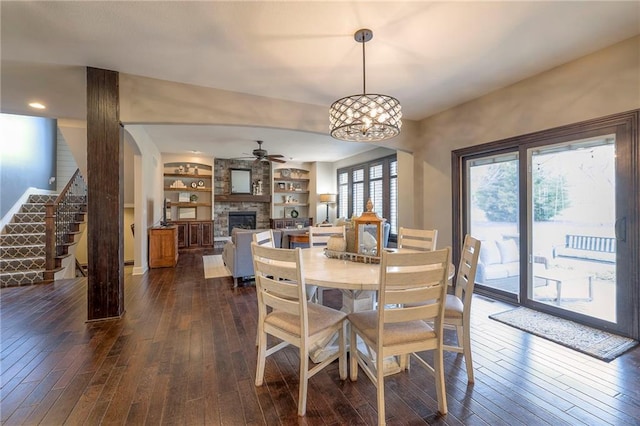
(61, 219)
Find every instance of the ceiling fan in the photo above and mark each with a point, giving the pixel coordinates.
(262, 155)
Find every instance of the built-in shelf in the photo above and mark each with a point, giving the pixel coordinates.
(189, 204)
(291, 204)
(189, 189)
(281, 179)
(188, 193)
(187, 175)
(240, 198)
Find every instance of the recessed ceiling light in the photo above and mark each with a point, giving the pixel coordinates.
(37, 105)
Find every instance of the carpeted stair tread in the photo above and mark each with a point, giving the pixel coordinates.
(12, 240)
(25, 228)
(22, 264)
(11, 279)
(29, 217)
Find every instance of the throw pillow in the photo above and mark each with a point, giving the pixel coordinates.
(508, 251)
(489, 253)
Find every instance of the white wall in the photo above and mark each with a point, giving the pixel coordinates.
(597, 85)
(148, 194)
(66, 164)
(325, 184)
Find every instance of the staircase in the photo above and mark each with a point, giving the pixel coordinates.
(23, 251)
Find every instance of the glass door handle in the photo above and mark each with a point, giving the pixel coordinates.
(621, 229)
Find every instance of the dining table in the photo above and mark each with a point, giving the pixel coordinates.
(358, 282)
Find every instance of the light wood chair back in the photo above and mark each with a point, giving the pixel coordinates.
(264, 238)
(319, 235)
(283, 312)
(419, 278)
(457, 314)
(417, 239)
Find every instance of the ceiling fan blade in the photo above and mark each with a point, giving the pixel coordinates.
(275, 155)
(276, 160)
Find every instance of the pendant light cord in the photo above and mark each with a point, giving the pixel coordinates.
(364, 70)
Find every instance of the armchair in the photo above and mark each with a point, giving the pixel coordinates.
(236, 254)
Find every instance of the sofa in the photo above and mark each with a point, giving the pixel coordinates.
(236, 253)
(499, 264)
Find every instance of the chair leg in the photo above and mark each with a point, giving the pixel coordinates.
(380, 389)
(466, 350)
(262, 354)
(320, 295)
(304, 381)
(438, 361)
(405, 362)
(342, 361)
(353, 356)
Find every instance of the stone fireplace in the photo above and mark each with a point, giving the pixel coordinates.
(227, 205)
(242, 219)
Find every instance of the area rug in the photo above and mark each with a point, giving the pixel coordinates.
(214, 267)
(599, 344)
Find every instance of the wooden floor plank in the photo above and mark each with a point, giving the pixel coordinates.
(184, 353)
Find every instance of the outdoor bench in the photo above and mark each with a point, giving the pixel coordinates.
(586, 247)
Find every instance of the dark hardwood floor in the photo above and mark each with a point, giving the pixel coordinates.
(184, 353)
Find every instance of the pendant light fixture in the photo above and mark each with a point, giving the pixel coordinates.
(365, 117)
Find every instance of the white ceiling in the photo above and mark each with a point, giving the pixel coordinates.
(429, 55)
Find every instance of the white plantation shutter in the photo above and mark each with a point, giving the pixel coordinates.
(376, 180)
(358, 192)
(393, 196)
(343, 194)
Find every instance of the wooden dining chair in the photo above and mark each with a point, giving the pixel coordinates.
(396, 330)
(265, 238)
(319, 237)
(457, 313)
(283, 312)
(417, 239)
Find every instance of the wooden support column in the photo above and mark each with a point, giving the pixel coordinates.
(105, 243)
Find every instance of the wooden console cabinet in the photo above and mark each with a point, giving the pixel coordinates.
(163, 247)
(194, 234)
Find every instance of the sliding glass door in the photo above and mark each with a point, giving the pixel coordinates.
(572, 215)
(558, 216)
(493, 212)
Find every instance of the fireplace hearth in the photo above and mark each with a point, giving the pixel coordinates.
(243, 220)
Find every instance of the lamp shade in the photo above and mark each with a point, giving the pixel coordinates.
(328, 198)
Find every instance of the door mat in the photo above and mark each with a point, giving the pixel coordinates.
(214, 267)
(599, 344)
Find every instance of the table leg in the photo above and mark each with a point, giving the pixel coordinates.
(352, 301)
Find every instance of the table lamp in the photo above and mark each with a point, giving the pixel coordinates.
(328, 199)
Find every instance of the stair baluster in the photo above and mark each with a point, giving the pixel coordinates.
(62, 222)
